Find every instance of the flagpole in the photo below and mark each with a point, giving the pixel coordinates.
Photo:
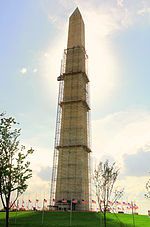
(133, 214)
(28, 205)
(28, 201)
(43, 213)
(35, 200)
(71, 212)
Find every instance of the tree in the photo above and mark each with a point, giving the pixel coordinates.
(14, 164)
(105, 176)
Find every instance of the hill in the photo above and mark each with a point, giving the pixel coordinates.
(79, 219)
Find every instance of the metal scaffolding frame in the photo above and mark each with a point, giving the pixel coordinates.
(57, 144)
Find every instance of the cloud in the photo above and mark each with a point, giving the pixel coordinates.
(45, 173)
(53, 13)
(137, 164)
(50, 66)
(143, 11)
(23, 71)
(121, 133)
(35, 70)
(37, 188)
(120, 3)
(101, 23)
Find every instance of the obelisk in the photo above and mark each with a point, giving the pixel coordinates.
(72, 180)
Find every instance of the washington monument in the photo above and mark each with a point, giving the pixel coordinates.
(70, 176)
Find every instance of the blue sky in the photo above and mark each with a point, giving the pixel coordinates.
(33, 37)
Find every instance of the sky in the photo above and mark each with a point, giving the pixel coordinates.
(33, 37)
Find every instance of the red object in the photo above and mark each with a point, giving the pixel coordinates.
(124, 203)
(64, 201)
(45, 201)
(74, 201)
(84, 202)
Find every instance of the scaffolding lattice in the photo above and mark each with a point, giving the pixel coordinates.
(57, 136)
(64, 72)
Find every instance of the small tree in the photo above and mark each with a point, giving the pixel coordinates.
(105, 176)
(14, 166)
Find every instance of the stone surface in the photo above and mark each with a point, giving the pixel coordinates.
(76, 34)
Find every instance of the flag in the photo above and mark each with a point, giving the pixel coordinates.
(30, 201)
(124, 203)
(117, 202)
(84, 202)
(37, 200)
(64, 201)
(135, 206)
(93, 201)
(74, 201)
(45, 201)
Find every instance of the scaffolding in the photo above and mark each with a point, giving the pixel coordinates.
(73, 65)
(57, 137)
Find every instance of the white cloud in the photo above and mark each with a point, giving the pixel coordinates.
(50, 65)
(104, 66)
(121, 133)
(23, 70)
(35, 70)
(120, 3)
(133, 161)
(143, 11)
(46, 55)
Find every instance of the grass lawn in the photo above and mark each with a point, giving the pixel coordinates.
(79, 219)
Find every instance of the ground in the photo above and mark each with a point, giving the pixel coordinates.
(62, 219)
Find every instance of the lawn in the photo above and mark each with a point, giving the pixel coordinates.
(79, 219)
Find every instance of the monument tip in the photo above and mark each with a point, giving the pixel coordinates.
(76, 12)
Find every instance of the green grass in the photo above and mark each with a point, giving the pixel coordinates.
(79, 219)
